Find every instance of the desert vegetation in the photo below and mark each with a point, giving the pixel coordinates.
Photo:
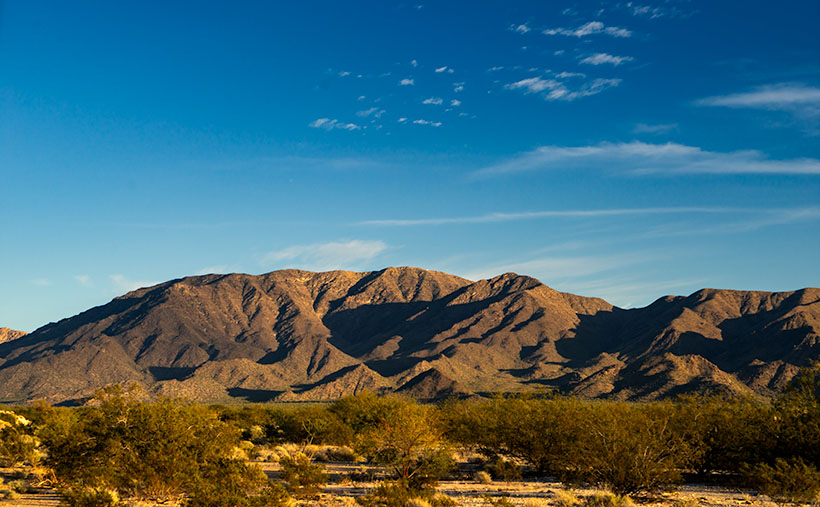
(123, 447)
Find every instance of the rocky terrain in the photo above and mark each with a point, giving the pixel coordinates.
(7, 334)
(295, 335)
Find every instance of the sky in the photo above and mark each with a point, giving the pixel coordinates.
(625, 150)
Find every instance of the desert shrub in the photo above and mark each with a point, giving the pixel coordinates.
(482, 477)
(792, 481)
(303, 477)
(564, 498)
(330, 454)
(417, 502)
(728, 431)
(626, 449)
(535, 502)
(408, 440)
(502, 469)
(498, 501)
(20, 486)
(17, 443)
(535, 430)
(606, 499)
(160, 450)
(442, 500)
(365, 410)
(798, 417)
(90, 497)
(238, 486)
(395, 493)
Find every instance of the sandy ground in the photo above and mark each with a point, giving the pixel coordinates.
(341, 491)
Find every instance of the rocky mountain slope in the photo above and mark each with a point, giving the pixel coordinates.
(7, 334)
(297, 335)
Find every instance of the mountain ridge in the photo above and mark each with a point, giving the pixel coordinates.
(298, 335)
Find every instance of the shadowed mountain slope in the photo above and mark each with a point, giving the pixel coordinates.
(298, 335)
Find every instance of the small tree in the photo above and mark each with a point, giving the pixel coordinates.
(409, 441)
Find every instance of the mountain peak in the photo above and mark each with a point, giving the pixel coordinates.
(300, 335)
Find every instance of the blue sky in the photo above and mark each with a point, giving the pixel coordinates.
(625, 150)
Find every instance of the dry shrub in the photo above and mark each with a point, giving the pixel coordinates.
(535, 502)
(607, 499)
(165, 450)
(91, 497)
(564, 498)
(442, 500)
(787, 481)
(417, 502)
(303, 477)
(482, 477)
(688, 502)
(334, 454)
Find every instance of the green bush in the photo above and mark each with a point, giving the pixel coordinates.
(607, 500)
(303, 477)
(17, 443)
(395, 493)
(162, 450)
(90, 497)
(503, 470)
(792, 481)
(627, 448)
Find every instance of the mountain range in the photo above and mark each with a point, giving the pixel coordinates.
(295, 335)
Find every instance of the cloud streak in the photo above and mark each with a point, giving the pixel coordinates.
(552, 89)
(644, 158)
(328, 124)
(605, 58)
(577, 213)
(799, 99)
(591, 28)
(323, 256)
(123, 284)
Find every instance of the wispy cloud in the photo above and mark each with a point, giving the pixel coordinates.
(455, 103)
(328, 124)
(373, 111)
(220, 268)
(655, 12)
(444, 69)
(414, 63)
(123, 284)
(605, 58)
(644, 128)
(552, 269)
(552, 89)
(83, 280)
(407, 82)
(41, 282)
(458, 87)
(522, 28)
(427, 122)
(799, 99)
(628, 291)
(644, 158)
(433, 100)
(323, 256)
(591, 28)
(576, 213)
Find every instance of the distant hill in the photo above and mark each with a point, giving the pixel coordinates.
(298, 335)
(7, 334)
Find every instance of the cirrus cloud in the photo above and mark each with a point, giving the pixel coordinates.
(645, 158)
(324, 256)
